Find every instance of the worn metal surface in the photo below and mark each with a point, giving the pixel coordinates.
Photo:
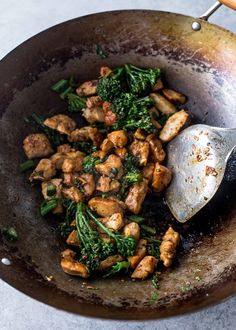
(201, 65)
(198, 157)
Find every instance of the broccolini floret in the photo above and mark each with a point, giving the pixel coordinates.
(90, 162)
(110, 87)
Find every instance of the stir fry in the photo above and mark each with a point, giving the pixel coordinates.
(95, 178)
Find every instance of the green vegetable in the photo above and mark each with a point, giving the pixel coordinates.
(65, 228)
(90, 162)
(155, 282)
(117, 268)
(48, 205)
(51, 189)
(75, 102)
(60, 86)
(54, 137)
(10, 234)
(153, 247)
(153, 298)
(92, 248)
(126, 245)
(141, 81)
(27, 165)
(110, 87)
(100, 52)
(133, 177)
(85, 146)
(136, 218)
(148, 229)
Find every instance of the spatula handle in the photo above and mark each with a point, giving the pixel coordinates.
(229, 3)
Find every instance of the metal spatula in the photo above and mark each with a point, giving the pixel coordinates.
(198, 158)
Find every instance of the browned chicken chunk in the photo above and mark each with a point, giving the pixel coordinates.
(57, 159)
(114, 222)
(94, 101)
(140, 149)
(109, 262)
(71, 266)
(161, 177)
(57, 184)
(118, 138)
(121, 152)
(157, 152)
(105, 207)
(145, 268)
(87, 182)
(173, 126)
(158, 85)
(140, 253)
(94, 115)
(168, 246)
(107, 146)
(64, 148)
(106, 184)
(73, 162)
(73, 193)
(174, 96)
(45, 170)
(139, 134)
(136, 196)
(62, 123)
(100, 154)
(105, 71)
(86, 133)
(154, 116)
(37, 145)
(132, 229)
(162, 104)
(72, 239)
(87, 88)
(148, 171)
(112, 167)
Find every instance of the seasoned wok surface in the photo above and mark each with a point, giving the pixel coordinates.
(207, 79)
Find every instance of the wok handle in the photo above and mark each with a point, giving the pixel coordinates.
(229, 3)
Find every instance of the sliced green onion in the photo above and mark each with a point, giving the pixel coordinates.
(27, 165)
(65, 93)
(51, 189)
(47, 206)
(60, 86)
(136, 218)
(148, 229)
(10, 234)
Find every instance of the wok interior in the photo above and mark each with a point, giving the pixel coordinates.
(199, 64)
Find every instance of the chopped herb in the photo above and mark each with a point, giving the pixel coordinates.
(10, 234)
(51, 189)
(155, 282)
(27, 165)
(153, 247)
(90, 162)
(100, 52)
(153, 298)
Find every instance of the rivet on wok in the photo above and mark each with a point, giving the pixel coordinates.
(196, 26)
(6, 261)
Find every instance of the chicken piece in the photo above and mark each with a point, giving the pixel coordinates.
(105, 207)
(73, 193)
(154, 115)
(94, 101)
(86, 133)
(162, 104)
(70, 178)
(107, 146)
(109, 262)
(58, 186)
(157, 152)
(37, 145)
(168, 247)
(94, 115)
(173, 126)
(72, 239)
(139, 134)
(118, 138)
(161, 177)
(62, 123)
(87, 88)
(100, 154)
(132, 229)
(105, 71)
(112, 167)
(148, 171)
(114, 222)
(158, 85)
(110, 118)
(64, 148)
(73, 162)
(57, 159)
(87, 182)
(121, 152)
(106, 184)
(140, 149)
(71, 266)
(140, 253)
(44, 171)
(174, 96)
(136, 196)
(145, 268)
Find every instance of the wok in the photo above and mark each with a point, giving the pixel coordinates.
(201, 64)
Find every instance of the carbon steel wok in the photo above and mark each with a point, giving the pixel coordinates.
(200, 64)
